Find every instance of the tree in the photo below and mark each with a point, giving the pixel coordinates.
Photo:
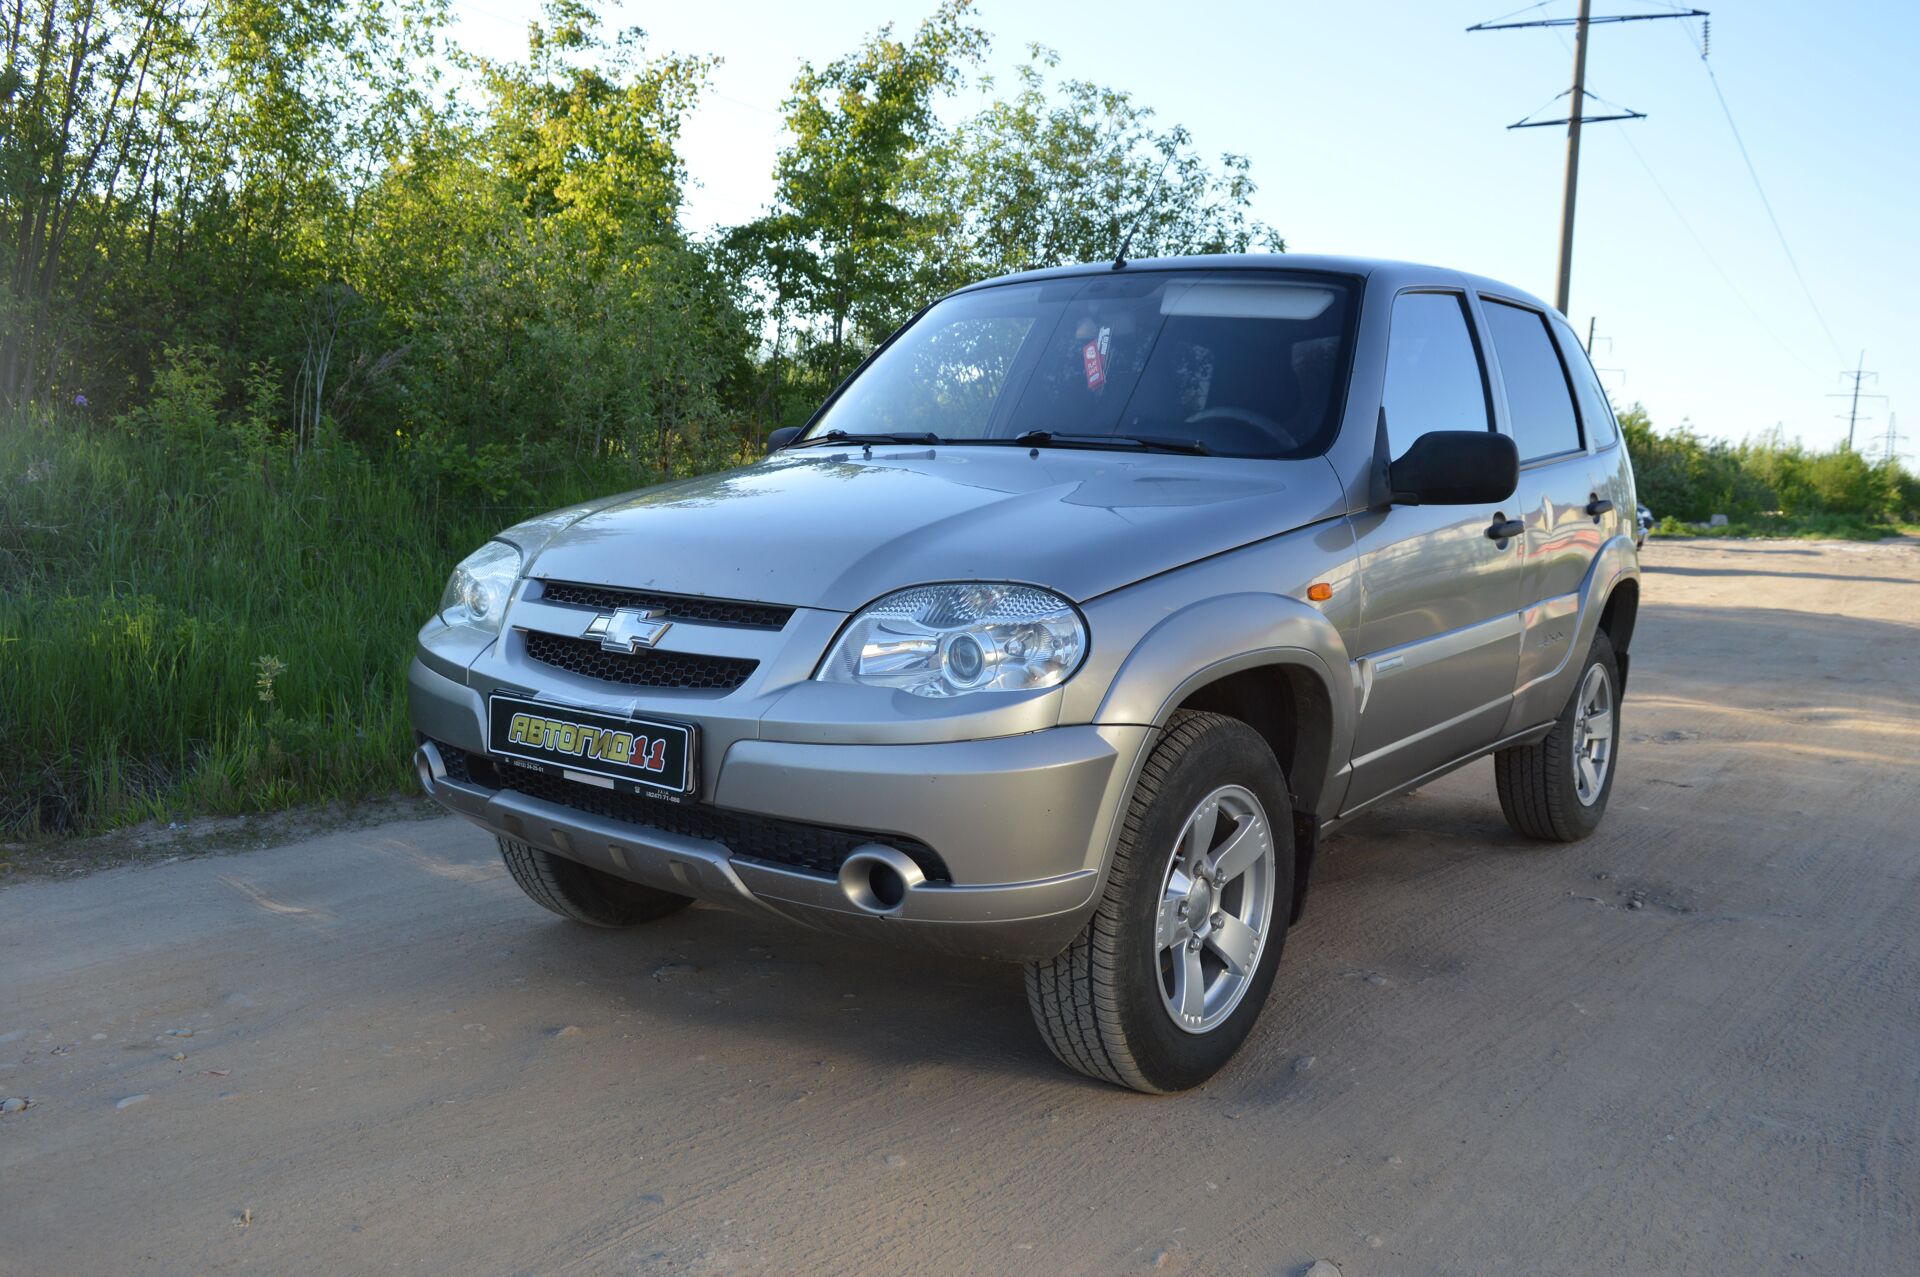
(529, 249)
(1045, 181)
(880, 208)
(184, 170)
(585, 132)
(846, 241)
(80, 89)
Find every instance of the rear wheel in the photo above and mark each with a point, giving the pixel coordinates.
(1171, 971)
(1557, 790)
(574, 891)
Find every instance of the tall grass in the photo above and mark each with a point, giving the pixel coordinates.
(1810, 527)
(193, 619)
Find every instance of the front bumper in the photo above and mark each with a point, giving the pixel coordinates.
(1013, 829)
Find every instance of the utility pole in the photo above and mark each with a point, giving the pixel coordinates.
(1578, 95)
(1858, 375)
(1892, 452)
(1577, 115)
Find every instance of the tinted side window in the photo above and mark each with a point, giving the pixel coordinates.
(1537, 393)
(1434, 381)
(1596, 413)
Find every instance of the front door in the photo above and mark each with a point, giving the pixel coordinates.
(1438, 640)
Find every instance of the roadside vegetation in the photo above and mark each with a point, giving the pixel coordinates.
(1768, 486)
(299, 303)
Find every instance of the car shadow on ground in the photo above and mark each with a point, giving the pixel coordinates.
(1668, 569)
(740, 980)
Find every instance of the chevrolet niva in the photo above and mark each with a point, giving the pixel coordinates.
(1065, 630)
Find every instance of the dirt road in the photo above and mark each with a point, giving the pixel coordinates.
(1689, 1045)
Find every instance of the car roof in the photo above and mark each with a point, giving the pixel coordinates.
(1393, 274)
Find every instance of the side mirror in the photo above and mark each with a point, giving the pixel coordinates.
(782, 437)
(1455, 467)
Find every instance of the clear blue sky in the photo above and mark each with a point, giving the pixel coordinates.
(1378, 129)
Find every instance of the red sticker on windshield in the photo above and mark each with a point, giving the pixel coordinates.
(1093, 358)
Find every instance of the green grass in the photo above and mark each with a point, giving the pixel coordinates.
(1814, 527)
(145, 584)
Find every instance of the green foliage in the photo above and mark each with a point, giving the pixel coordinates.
(1767, 486)
(1818, 527)
(848, 243)
(289, 323)
(879, 208)
(1046, 182)
(156, 585)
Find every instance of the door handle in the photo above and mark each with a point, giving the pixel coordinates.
(1598, 506)
(1505, 529)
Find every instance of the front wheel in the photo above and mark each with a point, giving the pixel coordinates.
(1557, 790)
(1166, 980)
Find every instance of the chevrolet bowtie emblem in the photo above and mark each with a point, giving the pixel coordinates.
(627, 629)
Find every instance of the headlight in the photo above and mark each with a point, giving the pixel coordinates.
(949, 640)
(477, 591)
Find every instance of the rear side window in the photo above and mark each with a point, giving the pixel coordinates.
(1538, 396)
(1596, 413)
(1434, 380)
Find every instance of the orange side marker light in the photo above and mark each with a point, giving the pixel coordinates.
(1319, 591)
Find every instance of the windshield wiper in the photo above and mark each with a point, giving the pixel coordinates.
(1146, 443)
(842, 436)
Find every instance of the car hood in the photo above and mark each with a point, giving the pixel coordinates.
(835, 529)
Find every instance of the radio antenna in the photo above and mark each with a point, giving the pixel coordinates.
(1120, 258)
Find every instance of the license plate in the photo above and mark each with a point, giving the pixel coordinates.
(640, 751)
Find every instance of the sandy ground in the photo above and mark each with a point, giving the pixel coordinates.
(1688, 1045)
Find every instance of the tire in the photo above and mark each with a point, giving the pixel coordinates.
(1105, 1005)
(585, 895)
(1541, 788)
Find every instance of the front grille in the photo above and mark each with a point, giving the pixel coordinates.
(644, 668)
(788, 844)
(672, 607)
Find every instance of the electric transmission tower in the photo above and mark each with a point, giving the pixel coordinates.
(1894, 439)
(1576, 112)
(1857, 375)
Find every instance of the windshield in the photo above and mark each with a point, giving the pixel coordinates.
(1239, 363)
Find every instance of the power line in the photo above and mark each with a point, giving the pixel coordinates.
(1713, 261)
(1490, 22)
(1576, 110)
(1701, 47)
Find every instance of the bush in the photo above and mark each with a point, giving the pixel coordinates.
(1692, 479)
(192, 621)
(1819, 527)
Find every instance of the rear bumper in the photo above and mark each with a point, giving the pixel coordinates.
(1017, 827)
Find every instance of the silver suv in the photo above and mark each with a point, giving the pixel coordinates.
(1065, 630)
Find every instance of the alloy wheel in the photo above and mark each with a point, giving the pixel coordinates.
(1593, 735)
(1216, 908)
